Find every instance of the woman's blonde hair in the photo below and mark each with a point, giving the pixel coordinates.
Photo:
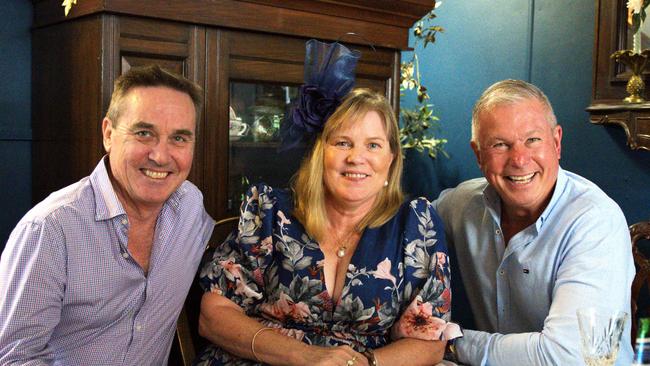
(308, 186)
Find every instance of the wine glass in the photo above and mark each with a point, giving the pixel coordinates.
(600, 334)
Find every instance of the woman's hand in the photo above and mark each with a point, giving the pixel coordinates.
(335, 356)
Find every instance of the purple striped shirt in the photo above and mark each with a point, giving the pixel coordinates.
(70, 293)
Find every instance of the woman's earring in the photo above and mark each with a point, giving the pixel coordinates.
(386, 183)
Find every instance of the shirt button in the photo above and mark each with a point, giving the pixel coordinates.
(138, 327)
(125, 255)
(125, 221)
(501, 272)
(497, 231)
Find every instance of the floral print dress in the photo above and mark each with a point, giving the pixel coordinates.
(397, 283)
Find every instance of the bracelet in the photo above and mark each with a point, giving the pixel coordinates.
(253, 342)
(370, 355)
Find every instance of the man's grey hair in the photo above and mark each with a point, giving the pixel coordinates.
(508, 92)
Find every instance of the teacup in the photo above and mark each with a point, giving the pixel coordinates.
(238, 128)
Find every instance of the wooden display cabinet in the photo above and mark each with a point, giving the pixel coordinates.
(223, 45)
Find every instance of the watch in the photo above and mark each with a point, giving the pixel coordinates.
(451, 353)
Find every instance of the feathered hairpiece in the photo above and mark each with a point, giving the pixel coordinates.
(329, 76)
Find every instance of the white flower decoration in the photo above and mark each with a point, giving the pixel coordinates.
(635, 5)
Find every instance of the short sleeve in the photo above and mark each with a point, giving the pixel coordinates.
(237, 268)
(426, 262)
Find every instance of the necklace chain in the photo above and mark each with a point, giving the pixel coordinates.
(341, 249)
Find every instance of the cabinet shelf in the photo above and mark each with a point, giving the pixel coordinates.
(633, 118)
(255, 144)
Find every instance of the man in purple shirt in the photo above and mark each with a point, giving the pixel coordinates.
(97, 273)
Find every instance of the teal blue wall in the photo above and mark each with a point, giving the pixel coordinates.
(548, 43)
(15, 114)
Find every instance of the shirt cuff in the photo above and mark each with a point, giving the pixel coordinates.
(473, 347)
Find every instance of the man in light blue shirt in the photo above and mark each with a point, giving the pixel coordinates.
(97, 273)
(533, 242)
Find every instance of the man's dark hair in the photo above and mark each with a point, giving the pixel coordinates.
(151, 76)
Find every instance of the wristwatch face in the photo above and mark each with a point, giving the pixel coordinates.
(450, 351)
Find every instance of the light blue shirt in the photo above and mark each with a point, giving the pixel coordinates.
(524, 295)
(71, 294)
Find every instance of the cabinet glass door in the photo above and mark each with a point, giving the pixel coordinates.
(256, 113)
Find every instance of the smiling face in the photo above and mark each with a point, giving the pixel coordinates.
(357, 159)
(151, 146)
(519, 155)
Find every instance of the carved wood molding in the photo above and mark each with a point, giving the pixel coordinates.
(633, 118)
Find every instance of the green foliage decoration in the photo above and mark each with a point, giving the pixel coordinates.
(419, 124)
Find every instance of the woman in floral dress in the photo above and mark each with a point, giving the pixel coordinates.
(339, 272)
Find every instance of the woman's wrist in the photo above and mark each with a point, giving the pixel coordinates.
(372, 359)
(295, 352)
(259, 331)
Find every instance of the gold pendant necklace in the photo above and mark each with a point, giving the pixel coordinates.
(342, 249)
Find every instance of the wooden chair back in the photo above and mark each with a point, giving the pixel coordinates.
(188, 341)
(640, 233)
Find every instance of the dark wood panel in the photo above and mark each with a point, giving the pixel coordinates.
(215, 188)
(384, 11)
(365, 69)
(169, 49)
(150, 29)
(260, 46)
(292, 49)
(253, 70)
(66, 109)
(609, 78)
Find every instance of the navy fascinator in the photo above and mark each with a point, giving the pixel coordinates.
(329, 76)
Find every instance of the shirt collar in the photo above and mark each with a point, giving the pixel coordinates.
(108, 206)
(558, 190)
(493, 201)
